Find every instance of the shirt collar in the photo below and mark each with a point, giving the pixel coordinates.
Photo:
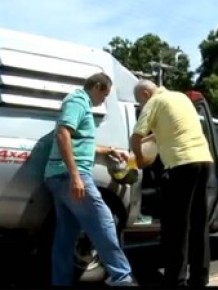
(160, 90)
(89, 98)
(86, 95)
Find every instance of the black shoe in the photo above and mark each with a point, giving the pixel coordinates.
(197, 283)
(133, 283)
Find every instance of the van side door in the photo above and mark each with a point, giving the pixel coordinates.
(208, 127)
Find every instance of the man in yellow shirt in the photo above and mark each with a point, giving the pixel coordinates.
(185, 155)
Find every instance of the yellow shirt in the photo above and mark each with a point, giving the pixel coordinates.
(175, 122)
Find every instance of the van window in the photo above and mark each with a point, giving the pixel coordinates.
(137, 111)
(208, 127)
(204, 126)
(203, 119)
(215, 122)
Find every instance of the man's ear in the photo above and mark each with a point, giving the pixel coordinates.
(145, 92)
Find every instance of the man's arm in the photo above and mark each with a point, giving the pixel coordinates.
(66, 150)
(64, 135)
(141, 130)
(72, 112)
(136, 141)
(105, 150)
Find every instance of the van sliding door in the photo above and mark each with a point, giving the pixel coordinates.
(210, 133)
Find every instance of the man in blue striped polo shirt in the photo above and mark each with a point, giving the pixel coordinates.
(78, 203)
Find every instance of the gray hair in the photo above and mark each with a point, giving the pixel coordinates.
(145, 84)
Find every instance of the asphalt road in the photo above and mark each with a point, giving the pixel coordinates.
(19, 270)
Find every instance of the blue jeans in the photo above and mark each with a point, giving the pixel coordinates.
(93, 216)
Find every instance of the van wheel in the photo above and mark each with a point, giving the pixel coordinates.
(87, 262)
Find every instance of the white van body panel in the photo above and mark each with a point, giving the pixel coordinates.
(36, 73)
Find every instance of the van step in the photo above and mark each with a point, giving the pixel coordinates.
(143, 244)
(144, 223)
(141, 233)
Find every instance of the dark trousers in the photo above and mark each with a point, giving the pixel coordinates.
(185, 224)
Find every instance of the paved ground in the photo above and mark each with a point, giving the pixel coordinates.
(213, 280)
(12, 273)
(214, 274)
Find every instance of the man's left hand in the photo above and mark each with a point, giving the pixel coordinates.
(120, 155)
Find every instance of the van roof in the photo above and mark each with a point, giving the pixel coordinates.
(56, 51)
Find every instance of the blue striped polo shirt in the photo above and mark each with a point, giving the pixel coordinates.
(76, 113)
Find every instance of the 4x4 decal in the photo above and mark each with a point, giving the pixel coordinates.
(13, 156)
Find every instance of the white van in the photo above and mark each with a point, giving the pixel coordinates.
(35, 75)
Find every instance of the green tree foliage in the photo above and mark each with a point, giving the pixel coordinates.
(121, 50)
(147, 52)
(210, 86)
(208, 71)
(209, 55)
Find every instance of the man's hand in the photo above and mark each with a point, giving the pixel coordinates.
(120, 155)
(77, 188)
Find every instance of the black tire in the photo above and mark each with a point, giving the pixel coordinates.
(88, 267)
